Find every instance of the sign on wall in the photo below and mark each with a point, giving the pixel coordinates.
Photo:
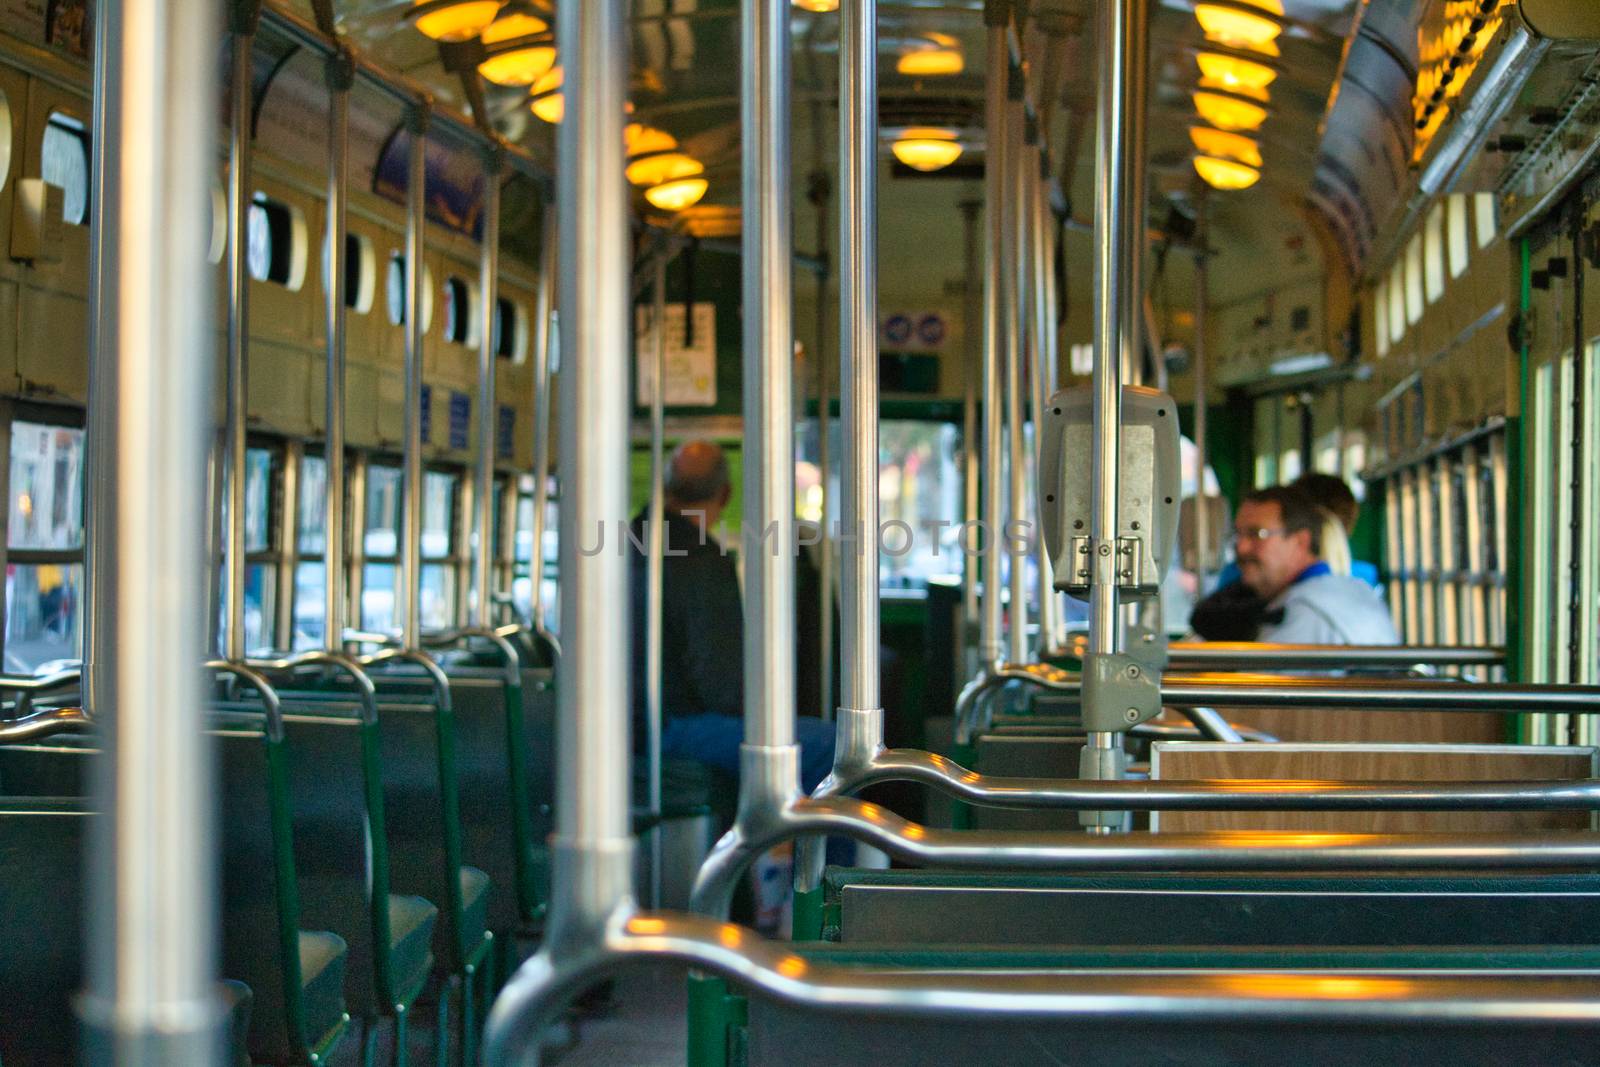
(691, 368)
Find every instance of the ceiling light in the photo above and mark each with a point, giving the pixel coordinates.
(931, 62)
(820, 6)
(1224, 145)
(453, 20)
(927, 148)
(639, 139)
(520, 50)
(663, 167)
(677, 194)
(1237, 27)
(1236, 74)
(1225, 174)
(1229, 112)
(546, 99)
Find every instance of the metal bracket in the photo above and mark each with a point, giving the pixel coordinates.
(1148, 646)
(1130, 562)
(1119, 691)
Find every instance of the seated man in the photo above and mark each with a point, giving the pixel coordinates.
(1276, 534)
(702, 628)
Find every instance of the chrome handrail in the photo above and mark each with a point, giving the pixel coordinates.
(1226, 655)
(496, 635)
(44, 724)
(366, 691)
(271, 706)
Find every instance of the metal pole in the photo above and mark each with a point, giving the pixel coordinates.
(991, 647)
(340, 75)
(592, 810)
(656, 572)
(542, 300)
(1014, 254)
(239, 179)
(858, 349)
(488, 299)
(152, 940)
(1045, 377)
(972, 313)
(1045, 589)
(819, 200)
(768, 352)
(410, 578)
(1202, 386)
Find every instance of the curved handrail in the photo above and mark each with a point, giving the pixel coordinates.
(1221, 655)
(271, 705)
(543, 985)
(366, 691)
(496, 636)
(29, 686)
(435, 673)
(44, 723)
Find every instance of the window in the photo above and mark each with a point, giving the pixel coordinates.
(1397, 304)
(1433, 254)
(311, 523)
(1485, 208)
(510, 330)
(261, 550)
(64, 162)
(1413, 281)
(360, 270)
(276, 243)
(1458, 234)
(381, 542)
(5, 138)
(44, 568)
(396, 291)
(218, 245)
(439, 567)
(1380, 310)
(1082, 359)
(459, 324)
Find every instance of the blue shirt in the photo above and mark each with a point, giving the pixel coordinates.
(1359, 568)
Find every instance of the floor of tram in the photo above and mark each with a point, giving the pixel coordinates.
(641, 1024)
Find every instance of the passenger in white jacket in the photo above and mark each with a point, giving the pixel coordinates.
(1277, 538)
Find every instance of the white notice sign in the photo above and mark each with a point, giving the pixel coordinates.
(692, 369)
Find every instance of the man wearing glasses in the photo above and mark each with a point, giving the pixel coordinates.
(1277, 535)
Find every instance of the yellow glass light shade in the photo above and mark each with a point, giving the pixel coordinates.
(932, 63)
(1225, 145)
(639, 139)
(927, 148)
(517, 66)
(820, 6)
(1228, 112)
(1225, 174)
(1242, 29)
(666, 167)
(547, 102)
(458, 22)
(677, 194)
(1235, 74)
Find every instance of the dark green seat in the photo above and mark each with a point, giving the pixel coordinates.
(41, 914)
(236, 1000)
(57, 767)
(1205, 908)
(297, 976)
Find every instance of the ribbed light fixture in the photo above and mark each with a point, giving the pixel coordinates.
(1225, 145)
(1235, 73)
(520, 51)
(819, 6)
(677, 194)
(931, 63)
(1227, 112)
(545, 97)
(664, 167)
(1235, 27)
(927, 148)
(639, 139)
(453, 20)
(1226, 174)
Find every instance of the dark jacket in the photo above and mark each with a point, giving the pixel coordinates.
(702, 624)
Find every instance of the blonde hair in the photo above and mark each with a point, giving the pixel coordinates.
(1334, 545)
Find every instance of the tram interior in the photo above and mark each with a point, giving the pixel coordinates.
(318, 743)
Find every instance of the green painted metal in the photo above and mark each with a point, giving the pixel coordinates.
(378, 894)
(712, 1015)
(807, 915)
(288, 896)
(527, 887)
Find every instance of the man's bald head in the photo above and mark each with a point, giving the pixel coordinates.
(697, 479)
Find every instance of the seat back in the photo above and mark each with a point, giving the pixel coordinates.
(58, 767)
(42, 912)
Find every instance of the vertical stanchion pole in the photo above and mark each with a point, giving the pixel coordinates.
(1039, 334)
(1118, 233)
(593, 851)
(768, 354)
(1016, 312)
(1202, 386)
(858, 353)
(825, 557)
(340, 74)
(152, 918)
(239, 179)
(991, 646)
(543, 299)
(410, 579)
(655, 567)
(972, 315)
(488, 301)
